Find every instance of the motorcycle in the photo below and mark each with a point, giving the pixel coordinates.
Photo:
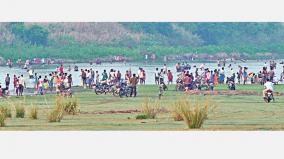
(231, 85)
(102, 88)
(269, 96)
(211, 86)
(4, 92)
(121, 90)
(179, 85)
(67, 92)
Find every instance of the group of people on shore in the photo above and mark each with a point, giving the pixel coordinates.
(91, 78)
(197, 77)
(42, 84)
(18, 83)
(189, 77)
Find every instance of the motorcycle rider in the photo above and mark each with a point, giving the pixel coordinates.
(268, 87)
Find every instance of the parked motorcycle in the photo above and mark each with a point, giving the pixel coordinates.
(231, 85)
(269, 96)
(121, 90)
(102, 88)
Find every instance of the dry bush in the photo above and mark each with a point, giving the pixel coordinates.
(2, 118)
(20, 111)
(194, 112)
(71, 106)
(56, 115)
(34, 112)
(176, 114)
(18, 107)
(6, 110)
(149, 111)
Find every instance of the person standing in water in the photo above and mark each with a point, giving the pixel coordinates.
(61, 71)
(15, 82)
(31, 73)
(7, 81)
(178, 67)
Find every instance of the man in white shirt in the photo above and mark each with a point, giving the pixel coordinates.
(22, 85)
(268, 86)
(165, 69)
(157, 76)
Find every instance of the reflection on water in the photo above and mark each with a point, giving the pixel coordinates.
(253, 66)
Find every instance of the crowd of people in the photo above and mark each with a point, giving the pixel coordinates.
(42, 84)
(199, 77)
(90, 79)
(188, 78)
(62, 81)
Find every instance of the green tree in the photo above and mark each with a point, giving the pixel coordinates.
(18, 29)
(36, 35)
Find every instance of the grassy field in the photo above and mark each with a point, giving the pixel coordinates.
(242, 112)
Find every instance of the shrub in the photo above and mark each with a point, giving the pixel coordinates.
(194, 113)
(71, 107)
(2, 118)
(142, 116)
(6, 110)
(149, 111)
(56, 115)
(176, 115)
(20, 111)
(34, 112)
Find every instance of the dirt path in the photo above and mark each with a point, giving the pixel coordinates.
(112, 112)
(231, 93)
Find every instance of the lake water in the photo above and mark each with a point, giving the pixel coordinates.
(253, 66)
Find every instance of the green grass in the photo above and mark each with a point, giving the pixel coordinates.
(232, 112)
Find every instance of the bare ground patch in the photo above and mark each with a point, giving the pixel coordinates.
(230, 93)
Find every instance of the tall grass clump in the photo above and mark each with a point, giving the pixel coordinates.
(20, 111)
(6, 110)
(176, 114)
(149, 111)
(33, 112)
(194, 112)
(56, 115)
(71, 106)
(2, 118)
